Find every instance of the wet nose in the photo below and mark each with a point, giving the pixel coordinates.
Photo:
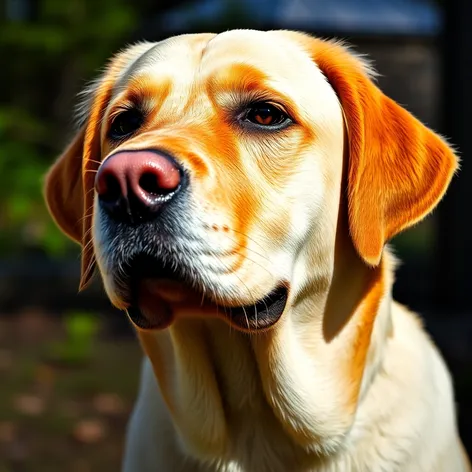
(132, 186)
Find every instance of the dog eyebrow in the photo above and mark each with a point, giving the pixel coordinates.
(240, 84)
(151, 56)
(142, 91)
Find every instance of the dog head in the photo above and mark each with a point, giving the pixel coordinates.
(212, 174)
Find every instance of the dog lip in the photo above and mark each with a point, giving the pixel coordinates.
(155, 307)
(262, 314)
(144, 322)
(148, 311)
(159, 293)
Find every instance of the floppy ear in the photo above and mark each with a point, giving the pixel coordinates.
(70, 181)
(69, 197)
(63, 189)
(398, 169)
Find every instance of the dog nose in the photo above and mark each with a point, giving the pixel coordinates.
(132, 186)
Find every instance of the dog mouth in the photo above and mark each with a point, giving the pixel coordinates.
(159, 293)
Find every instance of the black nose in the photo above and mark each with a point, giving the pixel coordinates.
(132, 186)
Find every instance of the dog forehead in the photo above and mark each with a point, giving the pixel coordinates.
(171, 56)
(200, 50)
(189, 61)
(277, 57)
(265, 47)
(208, 52)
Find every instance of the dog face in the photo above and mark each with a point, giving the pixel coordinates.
(213, 173)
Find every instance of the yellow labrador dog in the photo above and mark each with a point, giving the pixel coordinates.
(236, 192)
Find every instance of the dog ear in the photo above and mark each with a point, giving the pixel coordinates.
(69, 183)
(68, 192)
(63, 189)
(398, 169)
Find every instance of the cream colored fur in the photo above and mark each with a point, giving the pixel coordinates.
(316, 392)
(405, 420)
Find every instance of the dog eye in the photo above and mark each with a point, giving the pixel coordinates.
(266, 115)
(126, 123)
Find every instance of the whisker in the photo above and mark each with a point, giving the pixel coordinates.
(244, 310)
(246, 247)
(94, 161)
(203, 297)
(247, 319)
(228, 269)
(267, 310)
(250, 296)
(87, 246)
(88, 270)
(88, 215)
(245, 235)
(90, 190)
(87, 233)
(219, 304)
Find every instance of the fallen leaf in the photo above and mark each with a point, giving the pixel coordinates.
(8, 431)
(108, 404)
(29, 404)
(89, 431)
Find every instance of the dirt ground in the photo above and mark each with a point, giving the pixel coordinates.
(57, 417)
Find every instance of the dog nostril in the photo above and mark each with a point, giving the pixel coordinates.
(113, 189)
(149, 182)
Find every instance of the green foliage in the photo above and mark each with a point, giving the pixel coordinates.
(47, 61)
(77, 348)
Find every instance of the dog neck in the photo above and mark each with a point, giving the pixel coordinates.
(306, 377)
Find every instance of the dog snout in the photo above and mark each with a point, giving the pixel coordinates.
(132, 186)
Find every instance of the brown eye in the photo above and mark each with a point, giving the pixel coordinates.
(125, 124)
(265, 114)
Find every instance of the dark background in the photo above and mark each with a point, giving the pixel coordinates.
(69, 363)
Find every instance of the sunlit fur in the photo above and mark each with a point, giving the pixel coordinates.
(346, 380)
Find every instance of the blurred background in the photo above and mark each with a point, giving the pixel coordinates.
(69, 363)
